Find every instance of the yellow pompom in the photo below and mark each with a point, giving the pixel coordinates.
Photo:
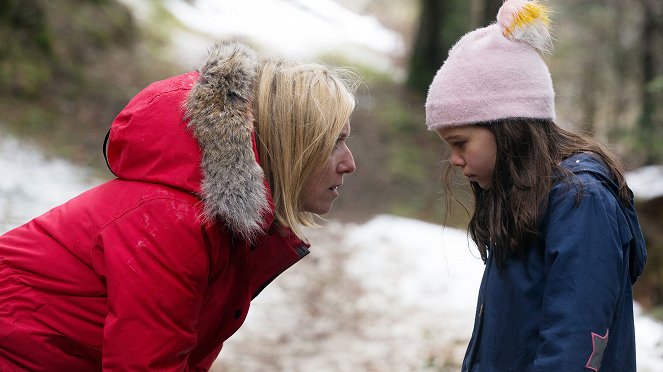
(530, 13)
(526, 21)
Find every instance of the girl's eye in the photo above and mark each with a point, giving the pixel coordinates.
(458, 144)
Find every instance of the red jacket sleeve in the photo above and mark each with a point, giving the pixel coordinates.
(156, 268)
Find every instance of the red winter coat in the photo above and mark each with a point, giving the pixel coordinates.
(152, 270)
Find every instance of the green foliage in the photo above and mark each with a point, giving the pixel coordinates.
(27, 19)
(26, 42)
(66, 69)
(24, 74)
(402, 127)
(47, 43)
(656, 85)
(33, 119)
(411, 164)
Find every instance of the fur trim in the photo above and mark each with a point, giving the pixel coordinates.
(219, 112)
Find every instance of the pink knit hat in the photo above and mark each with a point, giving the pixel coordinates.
(496, 72)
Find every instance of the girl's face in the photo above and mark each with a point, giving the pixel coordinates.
(322, 188)
(474, 150)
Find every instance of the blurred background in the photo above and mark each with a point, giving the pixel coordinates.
(67, 67)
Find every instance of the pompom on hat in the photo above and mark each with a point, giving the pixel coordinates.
(496, 72)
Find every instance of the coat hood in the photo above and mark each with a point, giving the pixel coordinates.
(195, 132)
(592, 165)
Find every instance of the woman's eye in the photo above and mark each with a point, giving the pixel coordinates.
(338, 143)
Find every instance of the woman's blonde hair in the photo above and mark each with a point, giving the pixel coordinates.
(300, 109)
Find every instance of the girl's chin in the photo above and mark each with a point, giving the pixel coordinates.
(482, 185)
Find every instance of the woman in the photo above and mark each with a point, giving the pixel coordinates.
(554, 220)
(217, 173)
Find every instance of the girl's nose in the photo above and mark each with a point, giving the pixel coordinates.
(456, 160)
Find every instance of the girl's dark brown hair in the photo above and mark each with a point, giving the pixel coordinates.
(529, 153)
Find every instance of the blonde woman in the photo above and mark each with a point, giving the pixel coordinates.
(217, 171)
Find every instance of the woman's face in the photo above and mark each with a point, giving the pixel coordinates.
(321, 189)
(473, 150)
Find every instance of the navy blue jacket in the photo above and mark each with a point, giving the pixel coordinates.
(567, 304)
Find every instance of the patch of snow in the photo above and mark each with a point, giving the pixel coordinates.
(394, 294)
(297, 28)
(31, 183)
(646, 182)
(648, 341)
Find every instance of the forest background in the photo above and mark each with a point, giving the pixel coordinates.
(67, 67)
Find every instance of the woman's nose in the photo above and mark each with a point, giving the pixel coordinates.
(347, 163)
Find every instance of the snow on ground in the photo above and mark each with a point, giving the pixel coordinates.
(393, 294)
(30, 183)
(646, 182)
(401, 297)
(301, 28)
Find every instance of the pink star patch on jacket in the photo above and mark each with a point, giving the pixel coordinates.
(598, 347)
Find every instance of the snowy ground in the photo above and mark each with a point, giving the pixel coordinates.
(393, 294)
(646, 182)
(297, 28)
(30, 184)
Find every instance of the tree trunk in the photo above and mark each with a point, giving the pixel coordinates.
(442, 23)
(427, 51)
(651, 26)
(623, 57)
(490, 8)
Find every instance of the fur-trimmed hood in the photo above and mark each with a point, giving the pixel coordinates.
(195, 132)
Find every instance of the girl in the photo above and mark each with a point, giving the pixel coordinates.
(554, 220)
(217, 173)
